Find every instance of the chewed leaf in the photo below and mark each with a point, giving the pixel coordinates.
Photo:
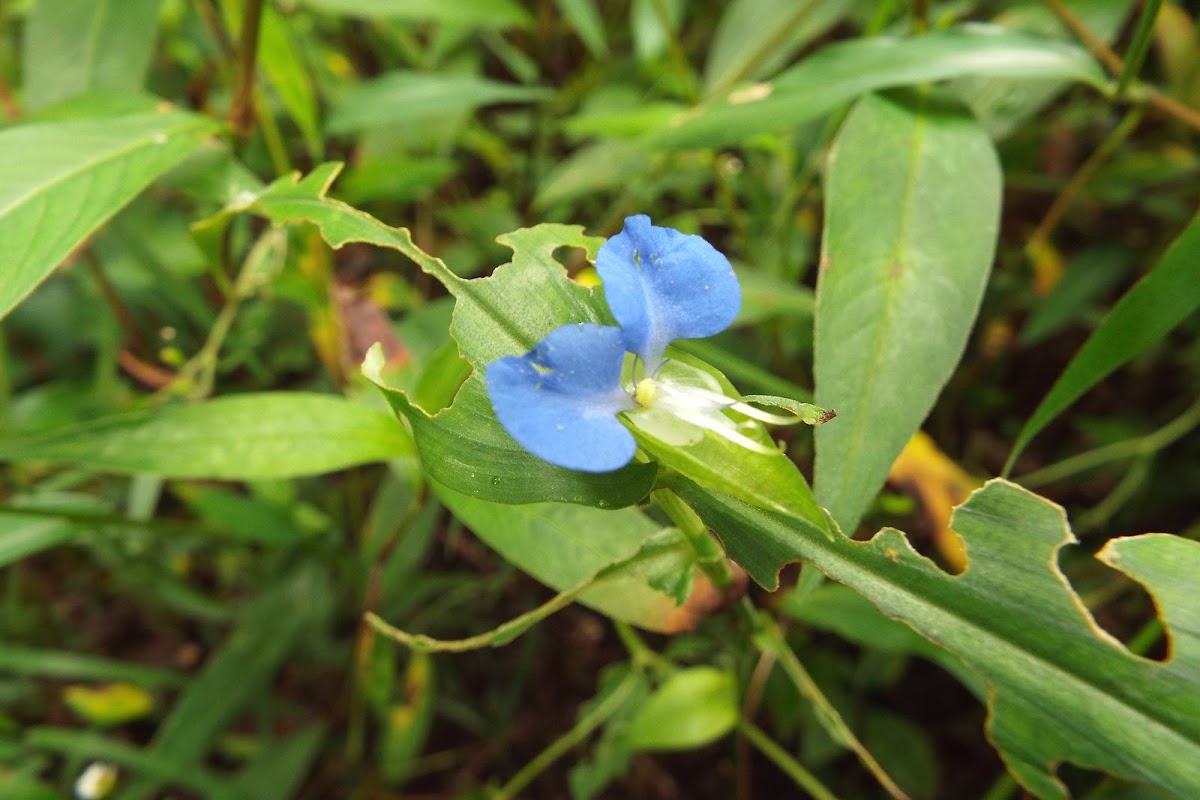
(507, 314)
(1077, 696)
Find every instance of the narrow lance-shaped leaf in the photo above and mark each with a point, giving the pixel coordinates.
(841, 72)
(241, 437)
(912, 213)
(1147, 312)
(1060, 689)
(61, 180)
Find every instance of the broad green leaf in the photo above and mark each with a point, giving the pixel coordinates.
(563, 545)
(399, 98)
(838, 609)
(1060, 689)
(73, 47)
(241, 437)
(692, 708)
(755, 37)
(912, 214)
(841, 72)
(1166, 296)
(471, 13)
(71, 177)
(463, 446)
(1004, 103)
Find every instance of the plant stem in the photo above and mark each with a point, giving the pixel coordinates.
(241, 112)
(1082, 175)
(1117, 451)
(709, 555)
(782, 759)
(1142, 37)
(563, 744)
(1113, 63)
(769, 639)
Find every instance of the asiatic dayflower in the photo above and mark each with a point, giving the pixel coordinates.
(562, 401)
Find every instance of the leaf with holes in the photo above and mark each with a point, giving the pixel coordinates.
(1060, 689)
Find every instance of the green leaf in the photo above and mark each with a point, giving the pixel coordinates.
(1166, 296)
(399, 98)
(841, 72)
(507, 313)
(583, 16)
(241, 437)
(1060, 689)
(66, 666)
(71, 177)
(33, 523)
(563, 545)
(755, 37)
(912, 214)
(74, 47)
(692, 708)
(470, 13)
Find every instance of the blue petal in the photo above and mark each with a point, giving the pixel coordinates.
(561, 399)
(664, 285)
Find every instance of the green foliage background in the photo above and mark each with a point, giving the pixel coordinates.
(261, 535)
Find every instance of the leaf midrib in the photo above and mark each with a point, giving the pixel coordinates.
(891, 292)
(100, 160)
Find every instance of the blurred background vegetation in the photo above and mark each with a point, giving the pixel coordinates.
(207, 635)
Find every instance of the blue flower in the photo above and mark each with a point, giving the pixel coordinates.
(662, 285)
(561, 400)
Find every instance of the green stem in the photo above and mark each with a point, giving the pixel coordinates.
(769, 639)
(195, 378)
(1117, 451)
(569, 740)
(782, 759)
(640, 654)
(1079, 180)
(709, 555)
(1136, 54)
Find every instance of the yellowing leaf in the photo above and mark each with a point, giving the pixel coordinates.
(939, 484)
(110, 704)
